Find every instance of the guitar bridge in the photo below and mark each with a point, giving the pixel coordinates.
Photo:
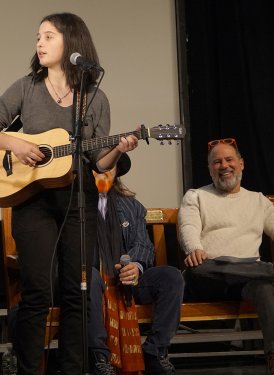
(7, 163)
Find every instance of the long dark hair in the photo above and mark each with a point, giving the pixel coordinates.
(77, 38)
(121, 188)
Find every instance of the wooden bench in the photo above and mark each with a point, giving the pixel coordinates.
(158, 221)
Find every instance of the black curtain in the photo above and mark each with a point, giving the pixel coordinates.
(230, 67)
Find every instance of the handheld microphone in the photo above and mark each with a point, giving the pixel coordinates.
(127, 289)
(84, 63)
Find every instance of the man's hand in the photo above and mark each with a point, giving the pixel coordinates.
(195, 258)
(128, 274)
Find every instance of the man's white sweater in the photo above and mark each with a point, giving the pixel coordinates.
(224, 224)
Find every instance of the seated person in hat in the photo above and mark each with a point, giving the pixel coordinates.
(122, 230)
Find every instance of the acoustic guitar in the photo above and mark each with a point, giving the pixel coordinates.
(18, 182)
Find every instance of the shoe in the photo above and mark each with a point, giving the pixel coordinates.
(158, 365)
(100, 365)
(270, 363)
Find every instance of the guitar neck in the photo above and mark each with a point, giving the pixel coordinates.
(94, 144)
(109, 141)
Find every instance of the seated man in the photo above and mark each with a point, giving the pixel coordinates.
(220, 228)
(122, 230)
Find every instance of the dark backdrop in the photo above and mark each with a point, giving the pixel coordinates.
(228, 49)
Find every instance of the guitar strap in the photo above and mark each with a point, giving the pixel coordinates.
(76, 109)
(15, 126)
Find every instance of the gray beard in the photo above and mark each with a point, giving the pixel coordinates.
(227, 185)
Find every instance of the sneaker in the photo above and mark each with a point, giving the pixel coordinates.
(270, 364)
(100, 365)
(158, 365)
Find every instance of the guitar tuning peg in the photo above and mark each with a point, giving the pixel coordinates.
(162, 143)
(177, 142)
(170, 142)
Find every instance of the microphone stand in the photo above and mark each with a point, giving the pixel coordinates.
(78, 169)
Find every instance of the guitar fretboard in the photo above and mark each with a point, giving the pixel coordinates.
(97, 143)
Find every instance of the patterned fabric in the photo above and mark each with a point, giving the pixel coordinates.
(124, 340)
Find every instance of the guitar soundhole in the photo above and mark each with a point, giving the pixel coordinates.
(47, 151)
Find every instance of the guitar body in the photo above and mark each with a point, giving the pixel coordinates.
(24, 181)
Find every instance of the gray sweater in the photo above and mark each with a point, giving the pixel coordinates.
(39, 111)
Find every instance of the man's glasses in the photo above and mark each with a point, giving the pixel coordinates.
(226, 141)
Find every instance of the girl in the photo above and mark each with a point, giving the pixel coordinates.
(44, 101)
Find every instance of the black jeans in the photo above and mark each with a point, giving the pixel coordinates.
(35, 228)
(220, 286)
(163, 287)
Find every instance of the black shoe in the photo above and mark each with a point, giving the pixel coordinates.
(100, 365)
(158, 365)
(270, 363)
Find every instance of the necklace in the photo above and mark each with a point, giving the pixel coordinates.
(59, 98)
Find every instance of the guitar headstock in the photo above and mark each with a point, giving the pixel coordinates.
(167, 132)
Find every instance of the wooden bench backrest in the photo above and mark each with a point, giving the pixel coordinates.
(11, 272)
(7, 239)
(158, 218)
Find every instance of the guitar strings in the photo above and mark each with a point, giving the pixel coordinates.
(58, 151)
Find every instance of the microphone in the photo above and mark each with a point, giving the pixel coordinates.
(127, 291)
(84, 63)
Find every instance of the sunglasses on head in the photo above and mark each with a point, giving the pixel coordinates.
(226, 141)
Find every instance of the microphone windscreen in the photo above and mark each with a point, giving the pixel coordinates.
(125, 259)
(73, 57)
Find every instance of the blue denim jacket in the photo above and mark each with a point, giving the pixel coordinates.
(135, 236)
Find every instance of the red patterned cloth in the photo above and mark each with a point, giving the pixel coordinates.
(124, 339)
